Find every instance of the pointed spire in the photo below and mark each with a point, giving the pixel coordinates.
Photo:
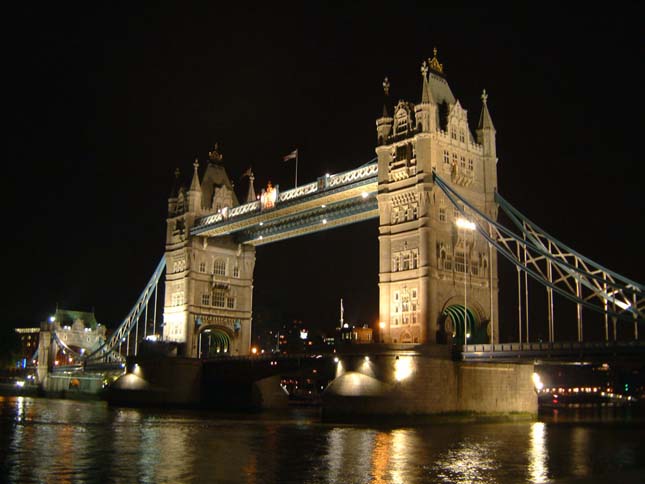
(386, 92)
(251, 195)
(195, 185)
(426, 94)
(485, 121)
(174, 191)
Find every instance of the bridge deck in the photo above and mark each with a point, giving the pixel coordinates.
(331, 201)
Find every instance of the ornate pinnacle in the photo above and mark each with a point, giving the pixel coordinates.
(177, 172)
(424, 69)
(434, 62)
(484, 96)
(196, 163)
(215, 155)
(386, 86)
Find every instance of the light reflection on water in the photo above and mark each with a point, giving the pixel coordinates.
(45, 440)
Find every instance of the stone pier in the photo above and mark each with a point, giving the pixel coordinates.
(426, 380)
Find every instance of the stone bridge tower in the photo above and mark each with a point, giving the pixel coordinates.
(209, 281)
(430, 269)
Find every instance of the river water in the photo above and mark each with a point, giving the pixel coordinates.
(60, 441)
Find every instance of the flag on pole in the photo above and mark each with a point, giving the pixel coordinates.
(291, 156)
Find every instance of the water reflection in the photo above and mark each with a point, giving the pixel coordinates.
(469, 462)
(538, 471)
(64, 441)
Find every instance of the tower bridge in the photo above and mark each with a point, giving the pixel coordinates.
(433, 188)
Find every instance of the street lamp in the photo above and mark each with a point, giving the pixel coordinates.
(465, 225)
(381, 326)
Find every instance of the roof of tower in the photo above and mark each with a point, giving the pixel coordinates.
(439, 88)
(216, 176)
(485, 121)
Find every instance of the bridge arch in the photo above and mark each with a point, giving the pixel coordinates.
(451, 323)
(214, 341)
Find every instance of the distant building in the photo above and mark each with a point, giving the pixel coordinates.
(358, 334)
(28, 344)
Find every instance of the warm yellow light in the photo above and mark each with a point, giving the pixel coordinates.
(537, 381)
(381, 325)
(364, 195)
(402, 368)
(465, 224)
(254, 350)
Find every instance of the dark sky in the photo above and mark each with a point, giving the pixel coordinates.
(103, 103)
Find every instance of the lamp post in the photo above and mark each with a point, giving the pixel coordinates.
(465, 225)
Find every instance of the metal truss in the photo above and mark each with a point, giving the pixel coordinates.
(556, 266)
(108, 351)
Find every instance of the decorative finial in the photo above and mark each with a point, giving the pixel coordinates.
(215, 155)
(434, 62)
(177, 172)
(196, 163)
(484, 96)
(424, 69)
(386, 86)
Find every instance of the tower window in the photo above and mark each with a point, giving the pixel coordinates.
(442, 214)
(462, 162)
(230, 302)
(236, 270)
(446, 157)
(219, 267)
(470, 164)
(206, 299)
(462, 137)
(219, 299)
(406, 261)
(202, 267)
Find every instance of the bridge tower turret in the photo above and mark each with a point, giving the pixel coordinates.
(209, 281)
(430, 269)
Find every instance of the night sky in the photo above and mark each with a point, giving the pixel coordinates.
(103, 103)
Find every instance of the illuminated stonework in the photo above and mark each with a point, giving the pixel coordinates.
(424, 256)
(208, 279)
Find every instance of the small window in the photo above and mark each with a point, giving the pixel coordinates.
(462, 162)
(230, 302)
(470, 164)
(446, 157)
(462, 137)
(202, 267)
(442, 214)
(236, 270)
(206, 299)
